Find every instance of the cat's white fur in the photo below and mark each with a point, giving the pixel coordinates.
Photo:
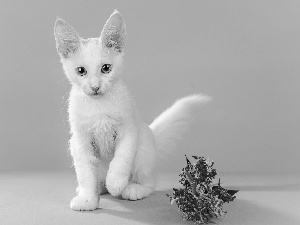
(112, 148)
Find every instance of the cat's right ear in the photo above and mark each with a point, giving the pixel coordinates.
(67, 39)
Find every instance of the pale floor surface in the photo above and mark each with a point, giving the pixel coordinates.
(43, 198)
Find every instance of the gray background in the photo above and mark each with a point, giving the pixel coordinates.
(243, 53)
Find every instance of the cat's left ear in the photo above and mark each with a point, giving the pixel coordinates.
(113, 34)
(67, 39)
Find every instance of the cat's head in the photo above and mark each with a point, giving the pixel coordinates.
(92, 65)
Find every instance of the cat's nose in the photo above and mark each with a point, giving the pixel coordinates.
(95, 89)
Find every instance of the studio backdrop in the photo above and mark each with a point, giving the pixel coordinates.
(245, 54)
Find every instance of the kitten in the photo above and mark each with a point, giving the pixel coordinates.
(112, 149)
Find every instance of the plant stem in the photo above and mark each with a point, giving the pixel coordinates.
(192, 183)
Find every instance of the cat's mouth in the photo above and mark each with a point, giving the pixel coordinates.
(96, 94)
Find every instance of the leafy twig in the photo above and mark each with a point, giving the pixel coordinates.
(199, 200)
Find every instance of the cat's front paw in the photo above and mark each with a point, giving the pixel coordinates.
(116, 184)
(84, 203)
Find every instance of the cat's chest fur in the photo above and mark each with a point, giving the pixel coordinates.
(103, 131)
(98, 121)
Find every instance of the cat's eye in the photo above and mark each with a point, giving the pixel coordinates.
(106, 68)
(81, 71)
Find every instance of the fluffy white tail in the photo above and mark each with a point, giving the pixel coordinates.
(170, 126)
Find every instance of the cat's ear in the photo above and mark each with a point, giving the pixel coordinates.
(113, 34)
(67, 39)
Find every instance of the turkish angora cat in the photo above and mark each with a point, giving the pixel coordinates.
(112, 149)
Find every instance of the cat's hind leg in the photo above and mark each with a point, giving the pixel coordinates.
(135, 191)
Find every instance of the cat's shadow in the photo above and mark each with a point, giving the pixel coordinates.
(156, 209)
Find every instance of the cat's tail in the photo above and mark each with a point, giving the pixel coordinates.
(170, 126)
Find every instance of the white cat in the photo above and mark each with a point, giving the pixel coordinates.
(112, 149)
